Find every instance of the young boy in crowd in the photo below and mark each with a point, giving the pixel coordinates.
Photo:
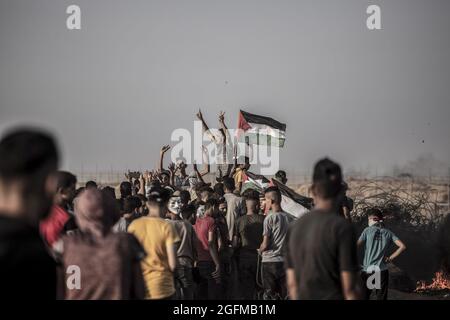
(208, 262)
(376, 241)
(275, 229)
(131, 207)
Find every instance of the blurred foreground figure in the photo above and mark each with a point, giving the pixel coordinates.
(100, 263)
(28, 161)
(321, 245)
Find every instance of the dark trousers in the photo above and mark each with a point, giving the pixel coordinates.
(184, 283)
(382, 293)
(208, 288)
(274, 280)
(247, 277)
(226, 280)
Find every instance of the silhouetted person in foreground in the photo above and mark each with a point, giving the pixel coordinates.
(320, 248)
(28, 161)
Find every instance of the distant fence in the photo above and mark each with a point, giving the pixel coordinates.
(102, 178)
(295, 178)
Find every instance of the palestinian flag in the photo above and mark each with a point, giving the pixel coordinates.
(254, 181)
(291, 201)
(261, 130)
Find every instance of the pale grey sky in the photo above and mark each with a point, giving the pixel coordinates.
(114, 91)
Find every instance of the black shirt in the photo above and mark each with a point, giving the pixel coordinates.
(27, 271)
(249, 229)
(319, 246)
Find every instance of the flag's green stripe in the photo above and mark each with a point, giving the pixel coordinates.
(263, 139)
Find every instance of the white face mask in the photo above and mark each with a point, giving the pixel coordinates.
(174, 205)
(201, 211)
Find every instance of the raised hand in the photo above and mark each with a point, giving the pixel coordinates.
(164, 149)
(222, 116)
(172, 167)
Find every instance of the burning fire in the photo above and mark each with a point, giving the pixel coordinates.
(439, 282)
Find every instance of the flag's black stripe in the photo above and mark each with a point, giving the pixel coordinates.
(288, 192)
(255, 176)
(254, 118)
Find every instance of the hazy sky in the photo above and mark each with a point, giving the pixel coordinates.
(115, 90)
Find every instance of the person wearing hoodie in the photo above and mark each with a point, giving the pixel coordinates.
(106, 263)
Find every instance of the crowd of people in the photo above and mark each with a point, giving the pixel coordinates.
(168, 234)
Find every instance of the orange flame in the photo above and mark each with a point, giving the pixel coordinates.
(439, 282)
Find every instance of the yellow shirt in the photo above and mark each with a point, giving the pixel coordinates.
(238, 177)
(155, 234)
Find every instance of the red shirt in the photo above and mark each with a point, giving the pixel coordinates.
(53, 226)
(202, 227)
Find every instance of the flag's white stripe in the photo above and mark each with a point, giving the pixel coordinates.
(266, 130)
(292, 207)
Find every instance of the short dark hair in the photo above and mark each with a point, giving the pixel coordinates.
(91, 184)
(211, 203)
(274, 190)
(154, 184)
(125, 189)
(187, 211)
(221, 200)
(109, 190)
(131, 203)
(164, 173)
(374, 212)
(228, 184)
(218, 189)
(206, 188)
(142, 198)
(159, 195)
(185, 196)
(65, 179)
(327, 178)
(251, 194)
(26, 152)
